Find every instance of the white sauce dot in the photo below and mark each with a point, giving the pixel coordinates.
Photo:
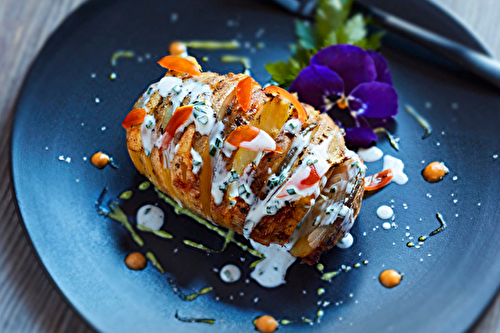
(150, 216)
(386, 225)
(397, 166)
(346, 242)
(230, 273)
(384, 212)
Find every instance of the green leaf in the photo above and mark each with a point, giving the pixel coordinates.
(373, 42)
(353, 31)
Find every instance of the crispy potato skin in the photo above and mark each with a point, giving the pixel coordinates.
(178, 180)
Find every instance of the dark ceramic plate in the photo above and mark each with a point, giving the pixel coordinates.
(447, 282)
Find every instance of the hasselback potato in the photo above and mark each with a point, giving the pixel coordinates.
(264, 165)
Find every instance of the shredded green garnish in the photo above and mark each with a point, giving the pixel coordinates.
(333, 25)
(121, 54)
(151, 257)
(159, 233)
(144, 185)
(391, 138)
(421, 120)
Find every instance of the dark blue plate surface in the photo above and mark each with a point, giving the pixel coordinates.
(447, 282)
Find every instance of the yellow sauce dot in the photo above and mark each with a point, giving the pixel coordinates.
(266, 324)
(434, 172)
(99, 160)
(135, 261)
(390, 278)
(177, 48)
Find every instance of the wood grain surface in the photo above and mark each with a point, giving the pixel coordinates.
(28, 301)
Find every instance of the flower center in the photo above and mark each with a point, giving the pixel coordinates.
(342, 103)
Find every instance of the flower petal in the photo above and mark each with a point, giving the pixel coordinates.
(383, 73)
(350, 62)
(360, 136)
(374, 100)
(314, 83)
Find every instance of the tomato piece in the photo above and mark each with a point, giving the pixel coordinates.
(304, 179)
(180, 116)
(378, 180)
(244, 93)
(136, 116)
(286, 95)
(179, 64)
(252, 138)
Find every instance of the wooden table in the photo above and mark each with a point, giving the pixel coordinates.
(28, 301)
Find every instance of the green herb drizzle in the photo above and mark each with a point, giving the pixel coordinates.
(213, 44)
(159, 233)
(421, 120)
(228, 236)
(121, 54)
(391, 138)
(116, 214)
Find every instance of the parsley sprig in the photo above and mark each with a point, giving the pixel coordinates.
(333, 25)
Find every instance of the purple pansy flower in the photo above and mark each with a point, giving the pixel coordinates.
(353, 86)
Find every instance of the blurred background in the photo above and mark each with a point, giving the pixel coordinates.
(28, 301)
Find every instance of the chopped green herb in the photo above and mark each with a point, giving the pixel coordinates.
(177, 89)
(213, 150)
(144, 185)
(120, 54)
(311, 162)
(291, 191)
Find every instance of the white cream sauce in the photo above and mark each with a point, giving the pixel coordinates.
(371, 154)
(271, 271)
(150, 216)
(346, 242)
(397, 166)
